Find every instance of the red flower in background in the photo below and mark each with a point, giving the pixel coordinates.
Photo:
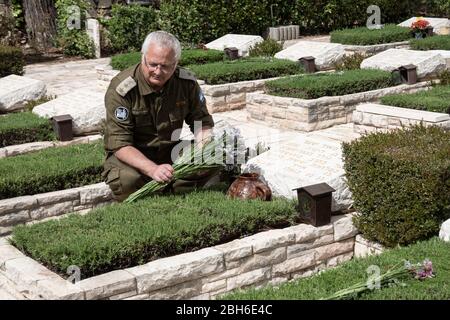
(420, 25)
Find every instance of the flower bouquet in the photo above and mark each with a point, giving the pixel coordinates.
(219, 151)
(391, 277)
(421, 28)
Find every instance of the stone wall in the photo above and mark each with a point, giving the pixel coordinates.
(375, 117)
(315, 114)
(270, 257)
(29, 209)
(24, 148)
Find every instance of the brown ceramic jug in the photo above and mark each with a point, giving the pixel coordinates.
(248, 186)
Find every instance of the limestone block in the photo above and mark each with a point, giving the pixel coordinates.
(248, 278)
(334, 249)
(14, 218)
(95, 193)
(343, 227)
(58, 289)
(242, 42)
(326, 54)
(235, 250)
(258, 260)
(57, 196)
(17, 203)
(16, 91)
(108, 284)
(335, 261)
(51, 210)
(184, 290)
(300, 249)
(25, 271)
(270, 240)
(9, 252)
(173, 270)
(295, 264)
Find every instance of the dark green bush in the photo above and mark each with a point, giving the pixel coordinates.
(244, 69)
(188, 56)
(267, 48)
(365, 36)
(444, 77)
(11, 61)
(51, 170)
(434, 100)
(129, 25)
(431, 43)
(74, 41)
(400, 183)
(124, 235)
(350, 62)
(24, 127)
(330, 84)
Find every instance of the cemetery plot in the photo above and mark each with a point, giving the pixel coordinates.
(440, 26)
(50, 170)
(239, 41)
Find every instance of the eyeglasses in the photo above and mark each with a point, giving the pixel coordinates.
(165, 68)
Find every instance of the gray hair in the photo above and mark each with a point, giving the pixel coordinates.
(162, 39)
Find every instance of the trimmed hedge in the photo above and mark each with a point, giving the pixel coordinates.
(188, 56)
(431, 43)
(129, 25)
(435, 100)
(364, 36)
(267, 48)
(244, 69)
(51, 170)
(124, 235)
(330, 84)
(11, 61)
(400, 183)
(24, 127)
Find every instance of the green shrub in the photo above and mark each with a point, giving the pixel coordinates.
(365, 36)
(244, 69)
(267, 48)
(11, 61)
(330, 84)
(75, 42)
(50, 170)
(431, 43)
(24, 127)
(444, 77)
(188, 56)
(350, 62)
(400, 183)
(129, 25)
(124, 235)
(434, 100)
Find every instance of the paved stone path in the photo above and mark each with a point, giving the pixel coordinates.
(63, 78)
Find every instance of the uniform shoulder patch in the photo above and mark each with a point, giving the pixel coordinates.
(184, 74)
(125, 86)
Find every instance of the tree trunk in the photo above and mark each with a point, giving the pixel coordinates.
(40, 19)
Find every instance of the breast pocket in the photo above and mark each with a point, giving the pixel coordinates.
(142, 118)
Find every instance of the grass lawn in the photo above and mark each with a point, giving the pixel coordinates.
(329, 281)
(364, 36)
(125, 235)
(431, 43)
(435, 100)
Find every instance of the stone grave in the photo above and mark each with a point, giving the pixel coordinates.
(16, 91)
(86, 107)
(440, 25)
(302, 161)
(326, 54)
(240, 41)
(428, 63)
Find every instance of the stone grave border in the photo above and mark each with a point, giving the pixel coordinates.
(50, 205)
(24, 148)
(270, 257)
(315, 114)
(373, 117)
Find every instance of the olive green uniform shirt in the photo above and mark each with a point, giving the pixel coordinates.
(138, 116)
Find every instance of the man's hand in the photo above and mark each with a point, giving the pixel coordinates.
(161, 173)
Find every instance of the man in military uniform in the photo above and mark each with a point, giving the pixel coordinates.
(145, 108)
